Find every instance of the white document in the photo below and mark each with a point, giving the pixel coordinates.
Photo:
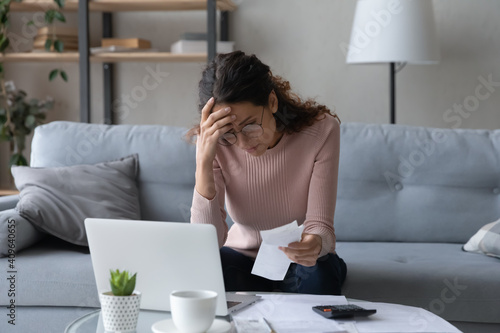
(395, 318)
(289, 313)
(292, 313)
(272, 263)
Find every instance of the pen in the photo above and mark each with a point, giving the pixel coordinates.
(269, 325)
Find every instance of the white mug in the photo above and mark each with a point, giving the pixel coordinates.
(193, 311)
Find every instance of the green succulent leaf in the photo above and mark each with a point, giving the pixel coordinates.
(121, 283)
(59, 46)
(53, 74)
(30, 23)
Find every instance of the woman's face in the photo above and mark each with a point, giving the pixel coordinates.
(246, 114)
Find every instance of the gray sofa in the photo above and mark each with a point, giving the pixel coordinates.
(408, 199)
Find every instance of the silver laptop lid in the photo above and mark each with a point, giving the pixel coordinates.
(167, 256)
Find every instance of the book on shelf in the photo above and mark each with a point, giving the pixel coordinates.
(113, 48)
(137, 43)
(199, 46)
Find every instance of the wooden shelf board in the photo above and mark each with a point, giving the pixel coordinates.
(148, 56)
(8, 192)
(104, 57)
(122, 5)
(40, 57)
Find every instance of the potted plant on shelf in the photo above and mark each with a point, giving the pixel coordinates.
(18, 118)
(120, 306)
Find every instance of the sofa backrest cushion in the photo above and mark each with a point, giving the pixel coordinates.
(416, 184)
(396, 182)
(166, 161)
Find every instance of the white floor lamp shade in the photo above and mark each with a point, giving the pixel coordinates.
(391, 31)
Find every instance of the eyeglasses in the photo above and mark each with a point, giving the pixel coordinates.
(250, 131)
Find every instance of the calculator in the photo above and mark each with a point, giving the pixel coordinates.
(342, 311)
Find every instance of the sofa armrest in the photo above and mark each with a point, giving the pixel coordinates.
(8, 202)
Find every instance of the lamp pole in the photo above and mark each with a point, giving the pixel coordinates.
(392, 86)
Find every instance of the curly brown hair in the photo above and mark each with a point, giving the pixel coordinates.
(236, 77)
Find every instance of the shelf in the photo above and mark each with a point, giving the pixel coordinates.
(40, 57)
(122, 5)
(148, 56)
(8, 192)
(105, 57)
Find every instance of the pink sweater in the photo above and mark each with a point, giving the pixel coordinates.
(294, 180)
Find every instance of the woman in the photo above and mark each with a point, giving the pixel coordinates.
(272, 159)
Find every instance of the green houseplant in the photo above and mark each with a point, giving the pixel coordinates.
(18, 118)
(120, 307)
(121, 283)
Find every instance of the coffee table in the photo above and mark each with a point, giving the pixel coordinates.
(92, 322)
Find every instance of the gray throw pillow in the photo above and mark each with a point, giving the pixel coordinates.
(16, 233)
(58, 200)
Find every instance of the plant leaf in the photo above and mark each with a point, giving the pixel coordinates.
(121, 284)
(49, 16)
(33, 102)
(30, 121)
(4, 42)
(59, 16)
(5, 134)
(60, 3)
(59, 46)
(48, 44)
(18, 159)
(53, 74)
(130, 285)
(64, 76)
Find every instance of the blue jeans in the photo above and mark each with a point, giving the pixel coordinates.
(325, 278)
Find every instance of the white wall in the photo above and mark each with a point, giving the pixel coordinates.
(301, 41)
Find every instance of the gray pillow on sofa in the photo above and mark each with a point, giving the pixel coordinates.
(58, 200)
(486, 240)
(16, 233)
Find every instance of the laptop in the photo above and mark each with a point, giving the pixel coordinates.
(166, 256)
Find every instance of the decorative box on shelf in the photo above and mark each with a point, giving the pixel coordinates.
(199, 46)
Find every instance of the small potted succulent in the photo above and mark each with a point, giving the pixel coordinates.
(120, 306)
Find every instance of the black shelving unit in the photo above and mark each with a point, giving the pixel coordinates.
(108, 68)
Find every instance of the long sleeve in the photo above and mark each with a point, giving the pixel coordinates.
(322, 195)
(204, 211)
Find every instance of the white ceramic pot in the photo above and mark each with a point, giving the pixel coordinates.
(120, 313)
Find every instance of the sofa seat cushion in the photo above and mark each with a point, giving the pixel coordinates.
(439, 277)
(52, 273)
